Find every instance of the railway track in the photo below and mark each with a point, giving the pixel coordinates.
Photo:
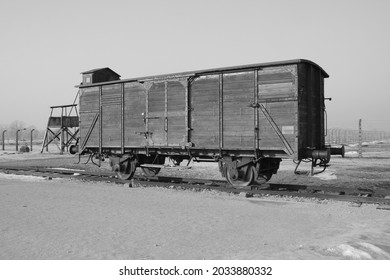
(356, 196)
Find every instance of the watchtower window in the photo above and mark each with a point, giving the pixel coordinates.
(87, 79)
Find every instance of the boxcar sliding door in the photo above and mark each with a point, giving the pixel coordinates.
(166, 114)
(221, 116)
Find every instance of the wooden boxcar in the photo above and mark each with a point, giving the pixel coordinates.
(246, 118)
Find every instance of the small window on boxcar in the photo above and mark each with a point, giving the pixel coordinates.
(87, 79)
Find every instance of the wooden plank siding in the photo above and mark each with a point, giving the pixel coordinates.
(272, 107)
(156, 115)
(111, 115)
(134, 112)
(167, 114)
(89, 107)
(176, 113)
(238, 117)
(204, 102)
(276, 84)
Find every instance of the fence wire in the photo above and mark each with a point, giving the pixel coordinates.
(350, 136)
(370, 139)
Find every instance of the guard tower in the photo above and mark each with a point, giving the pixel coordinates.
(63, 127)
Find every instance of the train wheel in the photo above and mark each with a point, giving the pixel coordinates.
(241, 177)
(125, 170)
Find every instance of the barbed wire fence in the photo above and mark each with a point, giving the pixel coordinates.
(350, 136)
(367, 133)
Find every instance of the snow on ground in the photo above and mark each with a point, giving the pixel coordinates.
(70, 219)
(25, 178)
(66, 219)
(360, 251)
(328, 174)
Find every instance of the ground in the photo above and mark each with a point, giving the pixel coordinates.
(71, 219)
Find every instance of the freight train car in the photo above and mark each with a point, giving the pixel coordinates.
(245, 118)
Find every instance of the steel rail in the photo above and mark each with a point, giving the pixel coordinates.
(354, 195)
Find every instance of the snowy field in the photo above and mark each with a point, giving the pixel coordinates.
(70, 219)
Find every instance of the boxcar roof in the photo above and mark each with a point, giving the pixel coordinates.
(209, 71)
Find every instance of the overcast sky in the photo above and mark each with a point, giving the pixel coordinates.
(45, 44)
